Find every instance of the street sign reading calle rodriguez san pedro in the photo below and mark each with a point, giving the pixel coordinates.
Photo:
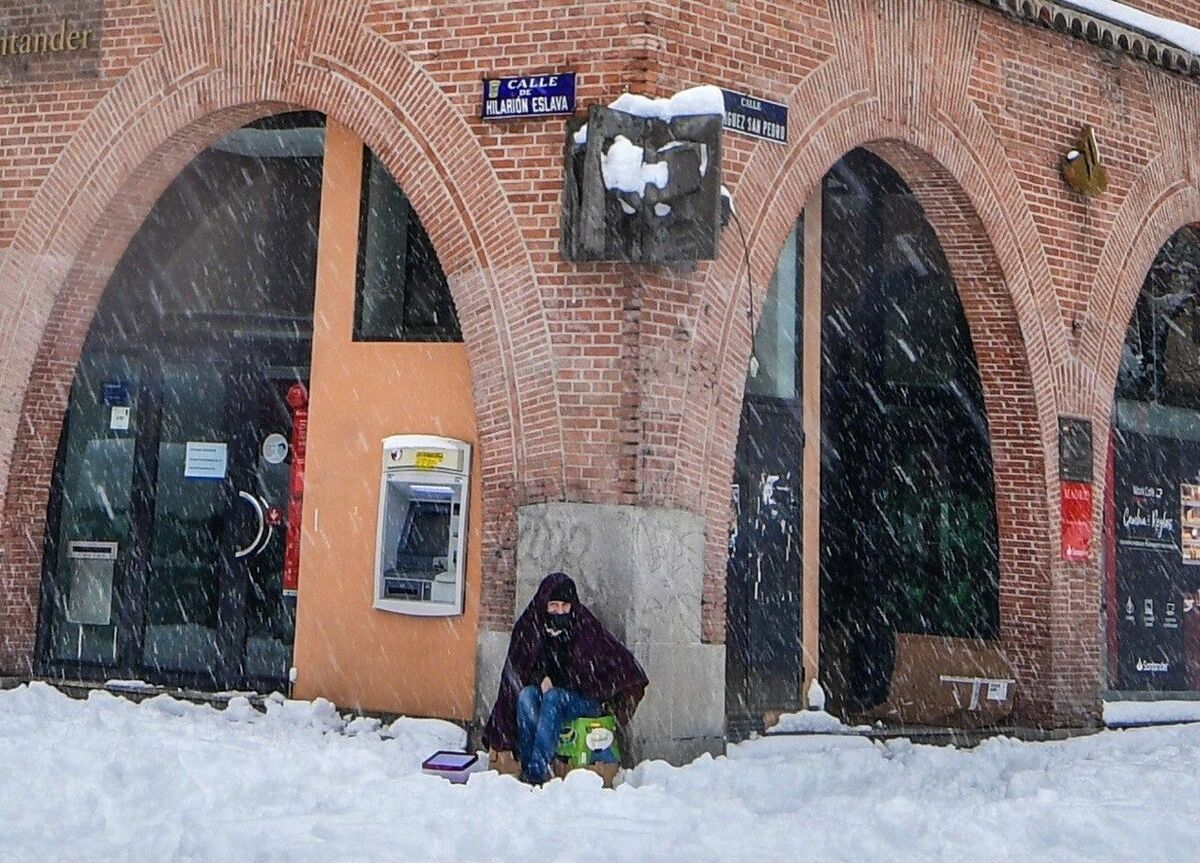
(756, 117)
(522, 96)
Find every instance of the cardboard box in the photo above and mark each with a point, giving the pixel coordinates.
(949, 682)
(506, 763)
(606, 772)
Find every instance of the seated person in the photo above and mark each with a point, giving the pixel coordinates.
(562, 664)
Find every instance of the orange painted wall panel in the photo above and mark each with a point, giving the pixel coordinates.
(361, 392)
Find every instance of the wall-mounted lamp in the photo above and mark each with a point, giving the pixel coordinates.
(1081, 166)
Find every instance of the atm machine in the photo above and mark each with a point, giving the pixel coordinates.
(420, 545)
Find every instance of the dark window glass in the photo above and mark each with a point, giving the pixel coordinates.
(1161, 360)
(206, 318)
(908, 534)
(774, 365)
(401, 293)
(228, 253)
(1154, 485)
(908, 530)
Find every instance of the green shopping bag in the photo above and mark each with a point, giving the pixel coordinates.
(589, 740)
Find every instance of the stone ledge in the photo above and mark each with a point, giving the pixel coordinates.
(959, 738)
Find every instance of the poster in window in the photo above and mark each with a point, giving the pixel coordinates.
(1189, 523)
(1146, 496)
(1187, 585)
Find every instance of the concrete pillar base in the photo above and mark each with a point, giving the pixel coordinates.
(640, 570)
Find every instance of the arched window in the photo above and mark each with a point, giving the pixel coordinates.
(168, 537)
(401, 293)
(1153, 560)
(907, 502)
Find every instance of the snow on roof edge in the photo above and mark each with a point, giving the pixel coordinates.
(1117, 26)
(1181, 35)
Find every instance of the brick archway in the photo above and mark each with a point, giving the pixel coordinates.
(920, 122)
(1161, 198)
(1154, 212)
(1157, 208)
(143, 133)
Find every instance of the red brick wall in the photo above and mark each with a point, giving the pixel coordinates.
(987, 107)
(618, 384)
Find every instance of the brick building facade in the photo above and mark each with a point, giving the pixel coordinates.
(604, 394)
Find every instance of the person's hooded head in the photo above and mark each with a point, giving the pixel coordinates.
(561, 601)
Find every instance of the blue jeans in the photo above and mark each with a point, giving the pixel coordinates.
(539, 720)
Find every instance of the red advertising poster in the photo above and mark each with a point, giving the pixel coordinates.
(1076, 520)
(297, 398)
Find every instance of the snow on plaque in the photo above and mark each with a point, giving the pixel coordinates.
(643, 180)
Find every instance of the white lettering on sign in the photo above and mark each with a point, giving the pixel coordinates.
(526, 84)
(772, 130)
(1159, 523)
(550, 103)
(1071, 492)
(752, 115)
(503, 107)
(205, 460)
(755, 126)
(529, 96)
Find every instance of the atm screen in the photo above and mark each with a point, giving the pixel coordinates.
(426, 532)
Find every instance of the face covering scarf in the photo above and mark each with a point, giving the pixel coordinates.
(558, 625)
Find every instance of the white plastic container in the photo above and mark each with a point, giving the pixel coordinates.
(456, 767)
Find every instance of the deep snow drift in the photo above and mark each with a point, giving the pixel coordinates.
(106, 779)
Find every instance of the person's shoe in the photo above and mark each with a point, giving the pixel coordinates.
(534, 782)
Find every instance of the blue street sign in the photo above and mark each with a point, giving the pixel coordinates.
(116, 393)
(756, 117)
(529, 96)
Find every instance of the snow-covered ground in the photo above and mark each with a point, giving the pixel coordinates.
(109, 780)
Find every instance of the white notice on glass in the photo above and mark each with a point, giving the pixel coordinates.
(118, 420)
(205, 460)
(997, 690)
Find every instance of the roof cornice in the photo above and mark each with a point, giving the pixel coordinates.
(1063, 16)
